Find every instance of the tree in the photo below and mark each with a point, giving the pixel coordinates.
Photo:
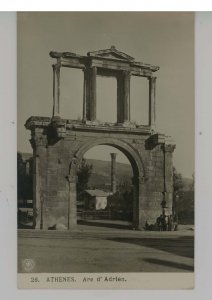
(24, 180)
(83, 174)
(20, 175)
(177, 182)
(124, 185)
(183, 202)
(177, 188)
(193, 183)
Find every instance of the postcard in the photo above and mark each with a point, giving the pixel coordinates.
(105, 150)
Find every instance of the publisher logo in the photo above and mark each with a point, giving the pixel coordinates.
(28, 264)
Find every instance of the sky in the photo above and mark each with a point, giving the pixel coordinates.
(165, 39)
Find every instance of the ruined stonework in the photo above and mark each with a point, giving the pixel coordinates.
(59, 144)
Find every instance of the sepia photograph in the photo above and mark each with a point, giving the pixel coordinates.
(105, 149)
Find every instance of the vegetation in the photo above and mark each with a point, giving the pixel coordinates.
(121, 203)
(24, 180)
(177, 181)
(83, 174)
(183, 199)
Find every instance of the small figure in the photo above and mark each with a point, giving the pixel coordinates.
(163, 204)
(159, 224)
(146, 226)
(163, 222)
(170, 223)
(167, 223)
(72, 167)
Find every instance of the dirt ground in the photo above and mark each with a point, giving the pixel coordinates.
(105, 248)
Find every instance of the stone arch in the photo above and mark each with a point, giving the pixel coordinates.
(127, 149)
(59, 144)
(135, 161)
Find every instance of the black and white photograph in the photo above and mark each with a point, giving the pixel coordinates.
(105, 149)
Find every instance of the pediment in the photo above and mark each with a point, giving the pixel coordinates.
(111, 53)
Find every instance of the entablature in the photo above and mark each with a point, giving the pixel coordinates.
(111, 59)
(44, 122)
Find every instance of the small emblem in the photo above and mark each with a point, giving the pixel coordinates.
(28, 264)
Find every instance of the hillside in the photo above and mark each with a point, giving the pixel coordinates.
(101, 173)
(187, 182)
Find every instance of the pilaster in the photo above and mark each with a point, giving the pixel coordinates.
(152, 112)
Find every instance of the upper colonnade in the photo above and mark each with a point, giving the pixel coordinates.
(110, 63)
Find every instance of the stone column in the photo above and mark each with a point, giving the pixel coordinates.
(126, 96)
(36, 192)
(72, 202)
(72, 198)
(87, 93)
(152, 113)
(38, 142)
(119, 99)
(135, 220)
(93, 72)
(164, 202)
(168, 178)
(113, 172)
(56, 90)
(123, 97)
(84, 97)
(91, 93)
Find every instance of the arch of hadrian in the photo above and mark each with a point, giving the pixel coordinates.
(59, 144)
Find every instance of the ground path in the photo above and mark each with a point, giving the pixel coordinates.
(90, 248)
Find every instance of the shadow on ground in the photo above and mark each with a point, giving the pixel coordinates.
(24, 226)
(102, 224)
(169, 264)
(182, 246)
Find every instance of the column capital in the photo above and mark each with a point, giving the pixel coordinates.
(126, 74)
(169, 148)
(38, 141)
(151, 78)
(90, 68)
(113, 155)
(56, 66)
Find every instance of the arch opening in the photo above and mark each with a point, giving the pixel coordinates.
(98, 201)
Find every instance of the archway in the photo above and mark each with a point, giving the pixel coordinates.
(134, 160)
(105, 192)
(60, 144)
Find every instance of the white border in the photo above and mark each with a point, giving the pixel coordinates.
(8, 247)
(126, 281)
(109, 5)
